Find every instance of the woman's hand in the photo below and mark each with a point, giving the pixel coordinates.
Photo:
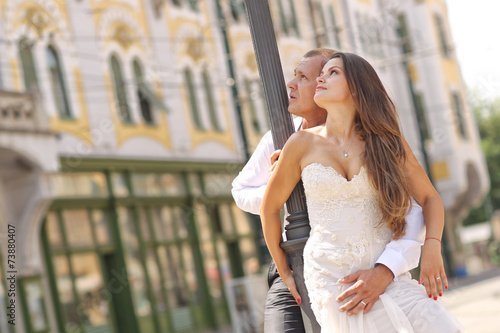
(432, 273)
(288, 279)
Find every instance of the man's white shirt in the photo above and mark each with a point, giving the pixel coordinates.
(248, 188)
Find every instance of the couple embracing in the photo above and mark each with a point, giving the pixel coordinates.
(367, 199)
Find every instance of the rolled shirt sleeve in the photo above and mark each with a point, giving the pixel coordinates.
(402, 255)
(249, 186)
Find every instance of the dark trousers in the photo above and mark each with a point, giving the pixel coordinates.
(282, 313)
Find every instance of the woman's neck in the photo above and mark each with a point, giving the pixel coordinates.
(340, 124)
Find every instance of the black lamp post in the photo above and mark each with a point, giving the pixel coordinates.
(271, 73)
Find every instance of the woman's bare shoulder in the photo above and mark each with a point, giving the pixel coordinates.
(300, 137)
(304, 137)
(313, 133)
(301, 142)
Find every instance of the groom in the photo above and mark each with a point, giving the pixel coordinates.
(282, 313)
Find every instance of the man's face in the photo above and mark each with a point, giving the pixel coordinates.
(303, 86)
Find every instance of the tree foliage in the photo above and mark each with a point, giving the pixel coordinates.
(487, 113)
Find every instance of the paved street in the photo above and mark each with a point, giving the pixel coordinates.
(476, 303)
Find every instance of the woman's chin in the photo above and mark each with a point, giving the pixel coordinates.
(319, 101)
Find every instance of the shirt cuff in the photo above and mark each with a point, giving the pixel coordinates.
(395, 261)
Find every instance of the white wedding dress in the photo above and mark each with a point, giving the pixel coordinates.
(346, 237)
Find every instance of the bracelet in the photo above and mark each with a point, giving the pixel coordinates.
(434, 238)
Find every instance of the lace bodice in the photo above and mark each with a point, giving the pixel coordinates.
(345, 218)
(346, 235)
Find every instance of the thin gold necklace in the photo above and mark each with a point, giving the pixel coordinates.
(344, 152)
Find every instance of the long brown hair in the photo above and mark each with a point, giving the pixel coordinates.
(377, 123)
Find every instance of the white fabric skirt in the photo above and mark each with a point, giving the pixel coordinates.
(403, 308)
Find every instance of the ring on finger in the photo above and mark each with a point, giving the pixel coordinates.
(363, 303)
(438, 278)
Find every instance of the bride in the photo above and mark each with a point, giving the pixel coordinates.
(360, 177)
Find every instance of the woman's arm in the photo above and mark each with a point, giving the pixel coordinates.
(281, 184)
(431, 269)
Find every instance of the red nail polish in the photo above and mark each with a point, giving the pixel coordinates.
(435, 298)
(430, 296)
(299, 300)
(440, 294)
(445, 287)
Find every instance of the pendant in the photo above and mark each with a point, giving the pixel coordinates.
(345, 154)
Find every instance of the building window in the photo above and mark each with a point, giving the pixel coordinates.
(363, 37)
(144, 104)
(161, 268)
(120, 90)
(378, 37)
(369, 34)
(237, 9)
(254, 119)
(404, 34)
(193, 102)
(333, 27)
(443, 41)
(157, 7)
(423, 125)
(207, 85)
(459, 115)
(234, 241)
(288, 18)
(28, 64)
(193, 4)
(72, 255)
(32, 293)
(319, 24)
(372, 36)
(57, 82)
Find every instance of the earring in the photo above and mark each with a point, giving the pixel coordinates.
(354, 94)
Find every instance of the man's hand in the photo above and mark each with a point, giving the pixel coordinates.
(276, 154)
(370, 284)
(274, 160)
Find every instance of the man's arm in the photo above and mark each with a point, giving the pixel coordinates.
(250, 184)
(403, 255)
(399, 256)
